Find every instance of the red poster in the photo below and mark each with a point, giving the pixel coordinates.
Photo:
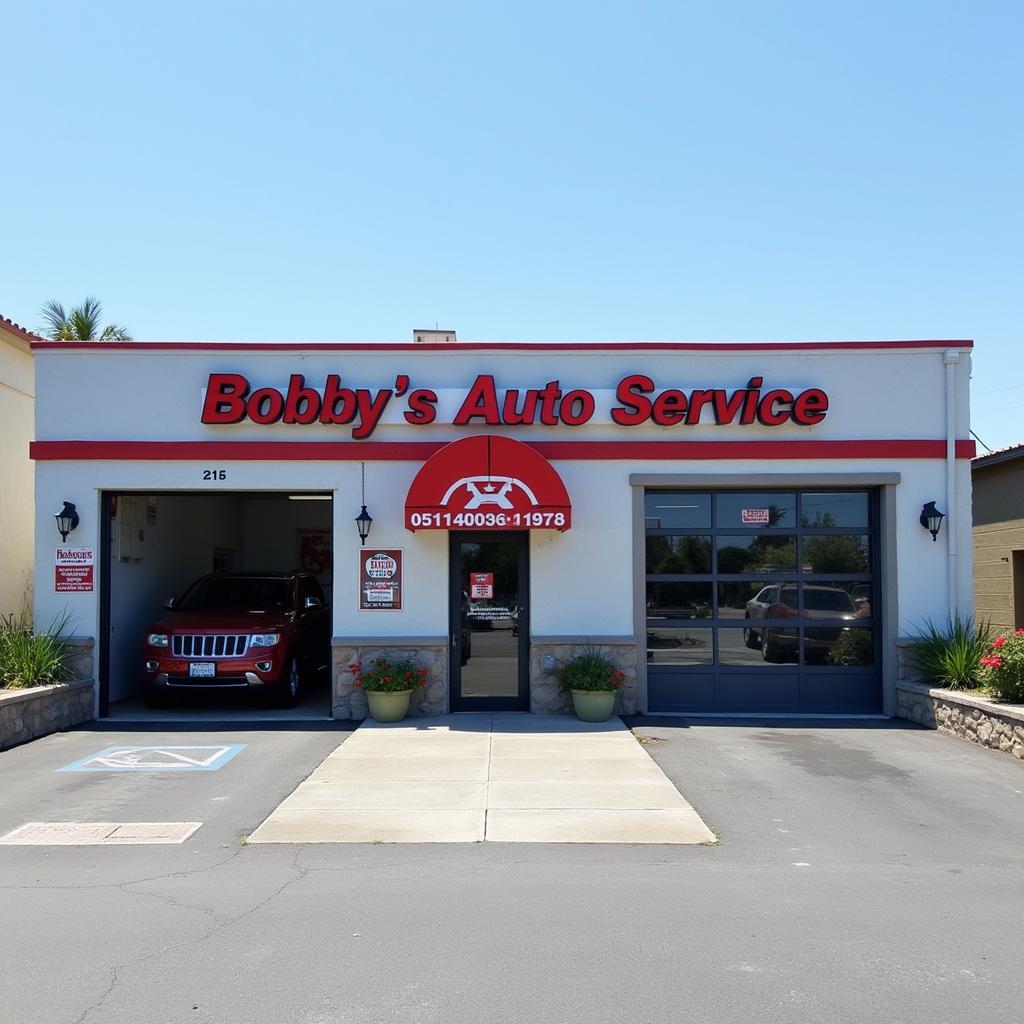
(481, 586)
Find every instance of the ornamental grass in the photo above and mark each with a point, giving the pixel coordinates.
(33, 658)
(951, 655)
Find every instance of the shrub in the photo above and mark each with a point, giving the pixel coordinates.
(30, 658)
(387, 677)
(1004, 667)
(950, 655)
(854, 647)
(591, 671)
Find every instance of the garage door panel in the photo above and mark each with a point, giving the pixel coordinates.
(763, 691)
(675, 691)
(784, 618)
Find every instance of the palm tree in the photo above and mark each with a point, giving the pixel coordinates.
(82, 323)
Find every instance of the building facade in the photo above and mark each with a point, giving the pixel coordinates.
(737, 526)
(17, 415)
(998, 485)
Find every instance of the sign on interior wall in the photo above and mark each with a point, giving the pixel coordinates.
(380, 579)
(755, 516)
(315, 552)
(481, 586)
(73, 570)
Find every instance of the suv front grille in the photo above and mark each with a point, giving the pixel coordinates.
(209, 645)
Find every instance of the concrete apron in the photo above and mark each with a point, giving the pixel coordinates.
(508, 778)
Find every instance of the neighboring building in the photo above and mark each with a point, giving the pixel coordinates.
(17, 497)
(738, 523)
(998, 481)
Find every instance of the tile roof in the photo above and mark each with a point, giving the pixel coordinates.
(1013, 451)
(17, 329)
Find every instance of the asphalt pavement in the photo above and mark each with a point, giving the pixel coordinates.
(867, 872)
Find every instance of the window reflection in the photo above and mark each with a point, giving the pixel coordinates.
(673, 646)
(757, 648)
(668, 510)
(679, 600)
(753, 553)
(834, 509)
(836, 553)
(687, 553)
(843, 646)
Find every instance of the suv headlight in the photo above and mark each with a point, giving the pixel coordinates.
(156, 639)
(264, 639)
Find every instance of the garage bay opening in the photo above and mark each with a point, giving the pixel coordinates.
(216, 603)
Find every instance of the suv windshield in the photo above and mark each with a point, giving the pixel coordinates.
(238, 594)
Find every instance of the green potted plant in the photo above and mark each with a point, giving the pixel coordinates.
(592, 681)
(388, 686)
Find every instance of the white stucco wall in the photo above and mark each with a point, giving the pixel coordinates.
(17, 514)
(582, 580)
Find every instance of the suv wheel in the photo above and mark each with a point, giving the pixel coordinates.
(288, 690)
(769, 649)
(750, 638)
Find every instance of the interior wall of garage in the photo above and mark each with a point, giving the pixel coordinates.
(176, 548)
(271, 528)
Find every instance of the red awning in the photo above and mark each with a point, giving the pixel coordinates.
(487, 482)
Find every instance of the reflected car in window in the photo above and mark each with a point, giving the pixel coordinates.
(781, 601)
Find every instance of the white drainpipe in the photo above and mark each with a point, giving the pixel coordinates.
(951, 359)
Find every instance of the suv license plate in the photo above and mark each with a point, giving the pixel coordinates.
(203, 669)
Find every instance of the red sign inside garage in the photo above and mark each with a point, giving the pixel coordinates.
(487, 482)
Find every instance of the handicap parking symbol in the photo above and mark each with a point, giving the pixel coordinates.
(162, 758)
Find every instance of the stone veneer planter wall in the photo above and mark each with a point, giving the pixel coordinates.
(431, 653)
(545, 697)
(967, 716)
(40, 710)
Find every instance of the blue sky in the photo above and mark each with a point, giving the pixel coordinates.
(555, 171)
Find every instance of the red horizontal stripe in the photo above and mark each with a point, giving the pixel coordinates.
(474, 346)
(418, 451)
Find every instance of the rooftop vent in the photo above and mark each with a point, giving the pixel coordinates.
(433, 337)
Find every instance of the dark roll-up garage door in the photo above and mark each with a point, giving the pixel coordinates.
(763, 601)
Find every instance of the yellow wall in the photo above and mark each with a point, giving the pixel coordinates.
(998, 533)
(17, 473)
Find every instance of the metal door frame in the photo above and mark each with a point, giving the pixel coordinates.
(456, 702)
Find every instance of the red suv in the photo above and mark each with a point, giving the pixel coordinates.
(267, 632)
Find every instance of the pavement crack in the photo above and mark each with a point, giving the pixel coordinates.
(219, 924)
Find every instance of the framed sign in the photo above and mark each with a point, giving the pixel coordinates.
(755, 516)
(380, 579)
(73, 570)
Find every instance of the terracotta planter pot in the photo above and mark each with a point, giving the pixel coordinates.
(388, 707)
(593, 706)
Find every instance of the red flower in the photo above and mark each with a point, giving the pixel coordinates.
(998, 642)
(992, 661)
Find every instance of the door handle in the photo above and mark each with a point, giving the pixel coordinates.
(455, 641)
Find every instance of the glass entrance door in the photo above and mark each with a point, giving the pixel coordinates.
(489, 622)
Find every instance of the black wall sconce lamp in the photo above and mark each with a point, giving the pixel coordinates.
(364, 520)
(931, 519)
(67, 519)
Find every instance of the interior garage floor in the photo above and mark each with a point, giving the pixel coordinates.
(212, 707)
